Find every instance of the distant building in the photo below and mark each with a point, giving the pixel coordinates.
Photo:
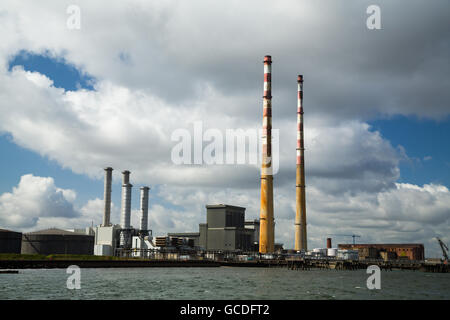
(225, 230)
(409, 251)
(347, 254)
(254, 226)
(57, 241)
(106, 240)
(10, 241)
(193, 236)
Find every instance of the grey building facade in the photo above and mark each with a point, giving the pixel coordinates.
(225, 230)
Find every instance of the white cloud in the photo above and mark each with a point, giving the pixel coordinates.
(36, 203)
(35, 198)
(172, 48)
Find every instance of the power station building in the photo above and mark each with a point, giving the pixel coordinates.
(111, 238)
(225, 230)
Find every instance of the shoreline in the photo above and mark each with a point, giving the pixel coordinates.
(167, 263)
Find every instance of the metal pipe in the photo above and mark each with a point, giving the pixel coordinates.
(107, 197)
(126, 210)
(300, 215)
(144, 211)
(267, 230)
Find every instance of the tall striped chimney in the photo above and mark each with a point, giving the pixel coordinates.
(300, 216)
(267, 230)
(143, 228)
(125, 240)
(107, 197)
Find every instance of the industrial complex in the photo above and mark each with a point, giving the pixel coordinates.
(225, 230)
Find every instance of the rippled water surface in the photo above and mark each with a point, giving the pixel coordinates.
(222, 283)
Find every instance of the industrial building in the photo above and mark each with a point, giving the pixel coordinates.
(112, 239)
(225, 230)
(106, 240)
(192, 237)
(57, 241)
(409, 251)
(10, 241)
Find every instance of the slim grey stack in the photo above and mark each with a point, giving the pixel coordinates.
(107, 197)
(143, 228)
(125, 241)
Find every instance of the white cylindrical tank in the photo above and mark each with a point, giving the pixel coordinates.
(320, 251)
(332, 252)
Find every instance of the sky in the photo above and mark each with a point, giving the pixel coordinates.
(113, 91)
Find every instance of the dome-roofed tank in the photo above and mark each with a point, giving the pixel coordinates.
(57, 241)
(10, 241)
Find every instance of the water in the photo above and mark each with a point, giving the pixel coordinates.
(224, 283)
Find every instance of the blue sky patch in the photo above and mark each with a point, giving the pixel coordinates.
(426, 143)
(63, 74)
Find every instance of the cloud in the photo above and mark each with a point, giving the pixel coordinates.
(107, 126)
(36, 203)
(35, 198)
(170, 49)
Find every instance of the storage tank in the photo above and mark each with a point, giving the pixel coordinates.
(332, 252)
(10, 241)
(57, 241)
(320, 251)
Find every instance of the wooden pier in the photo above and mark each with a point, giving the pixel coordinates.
(291, 264)
(328, 264)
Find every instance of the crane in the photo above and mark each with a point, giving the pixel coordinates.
(347, 235)
(444, 249)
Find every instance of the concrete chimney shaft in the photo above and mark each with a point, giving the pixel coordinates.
(144, 210)
(107, 197)
(125, 240)
(267, 223)
(300, 215)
